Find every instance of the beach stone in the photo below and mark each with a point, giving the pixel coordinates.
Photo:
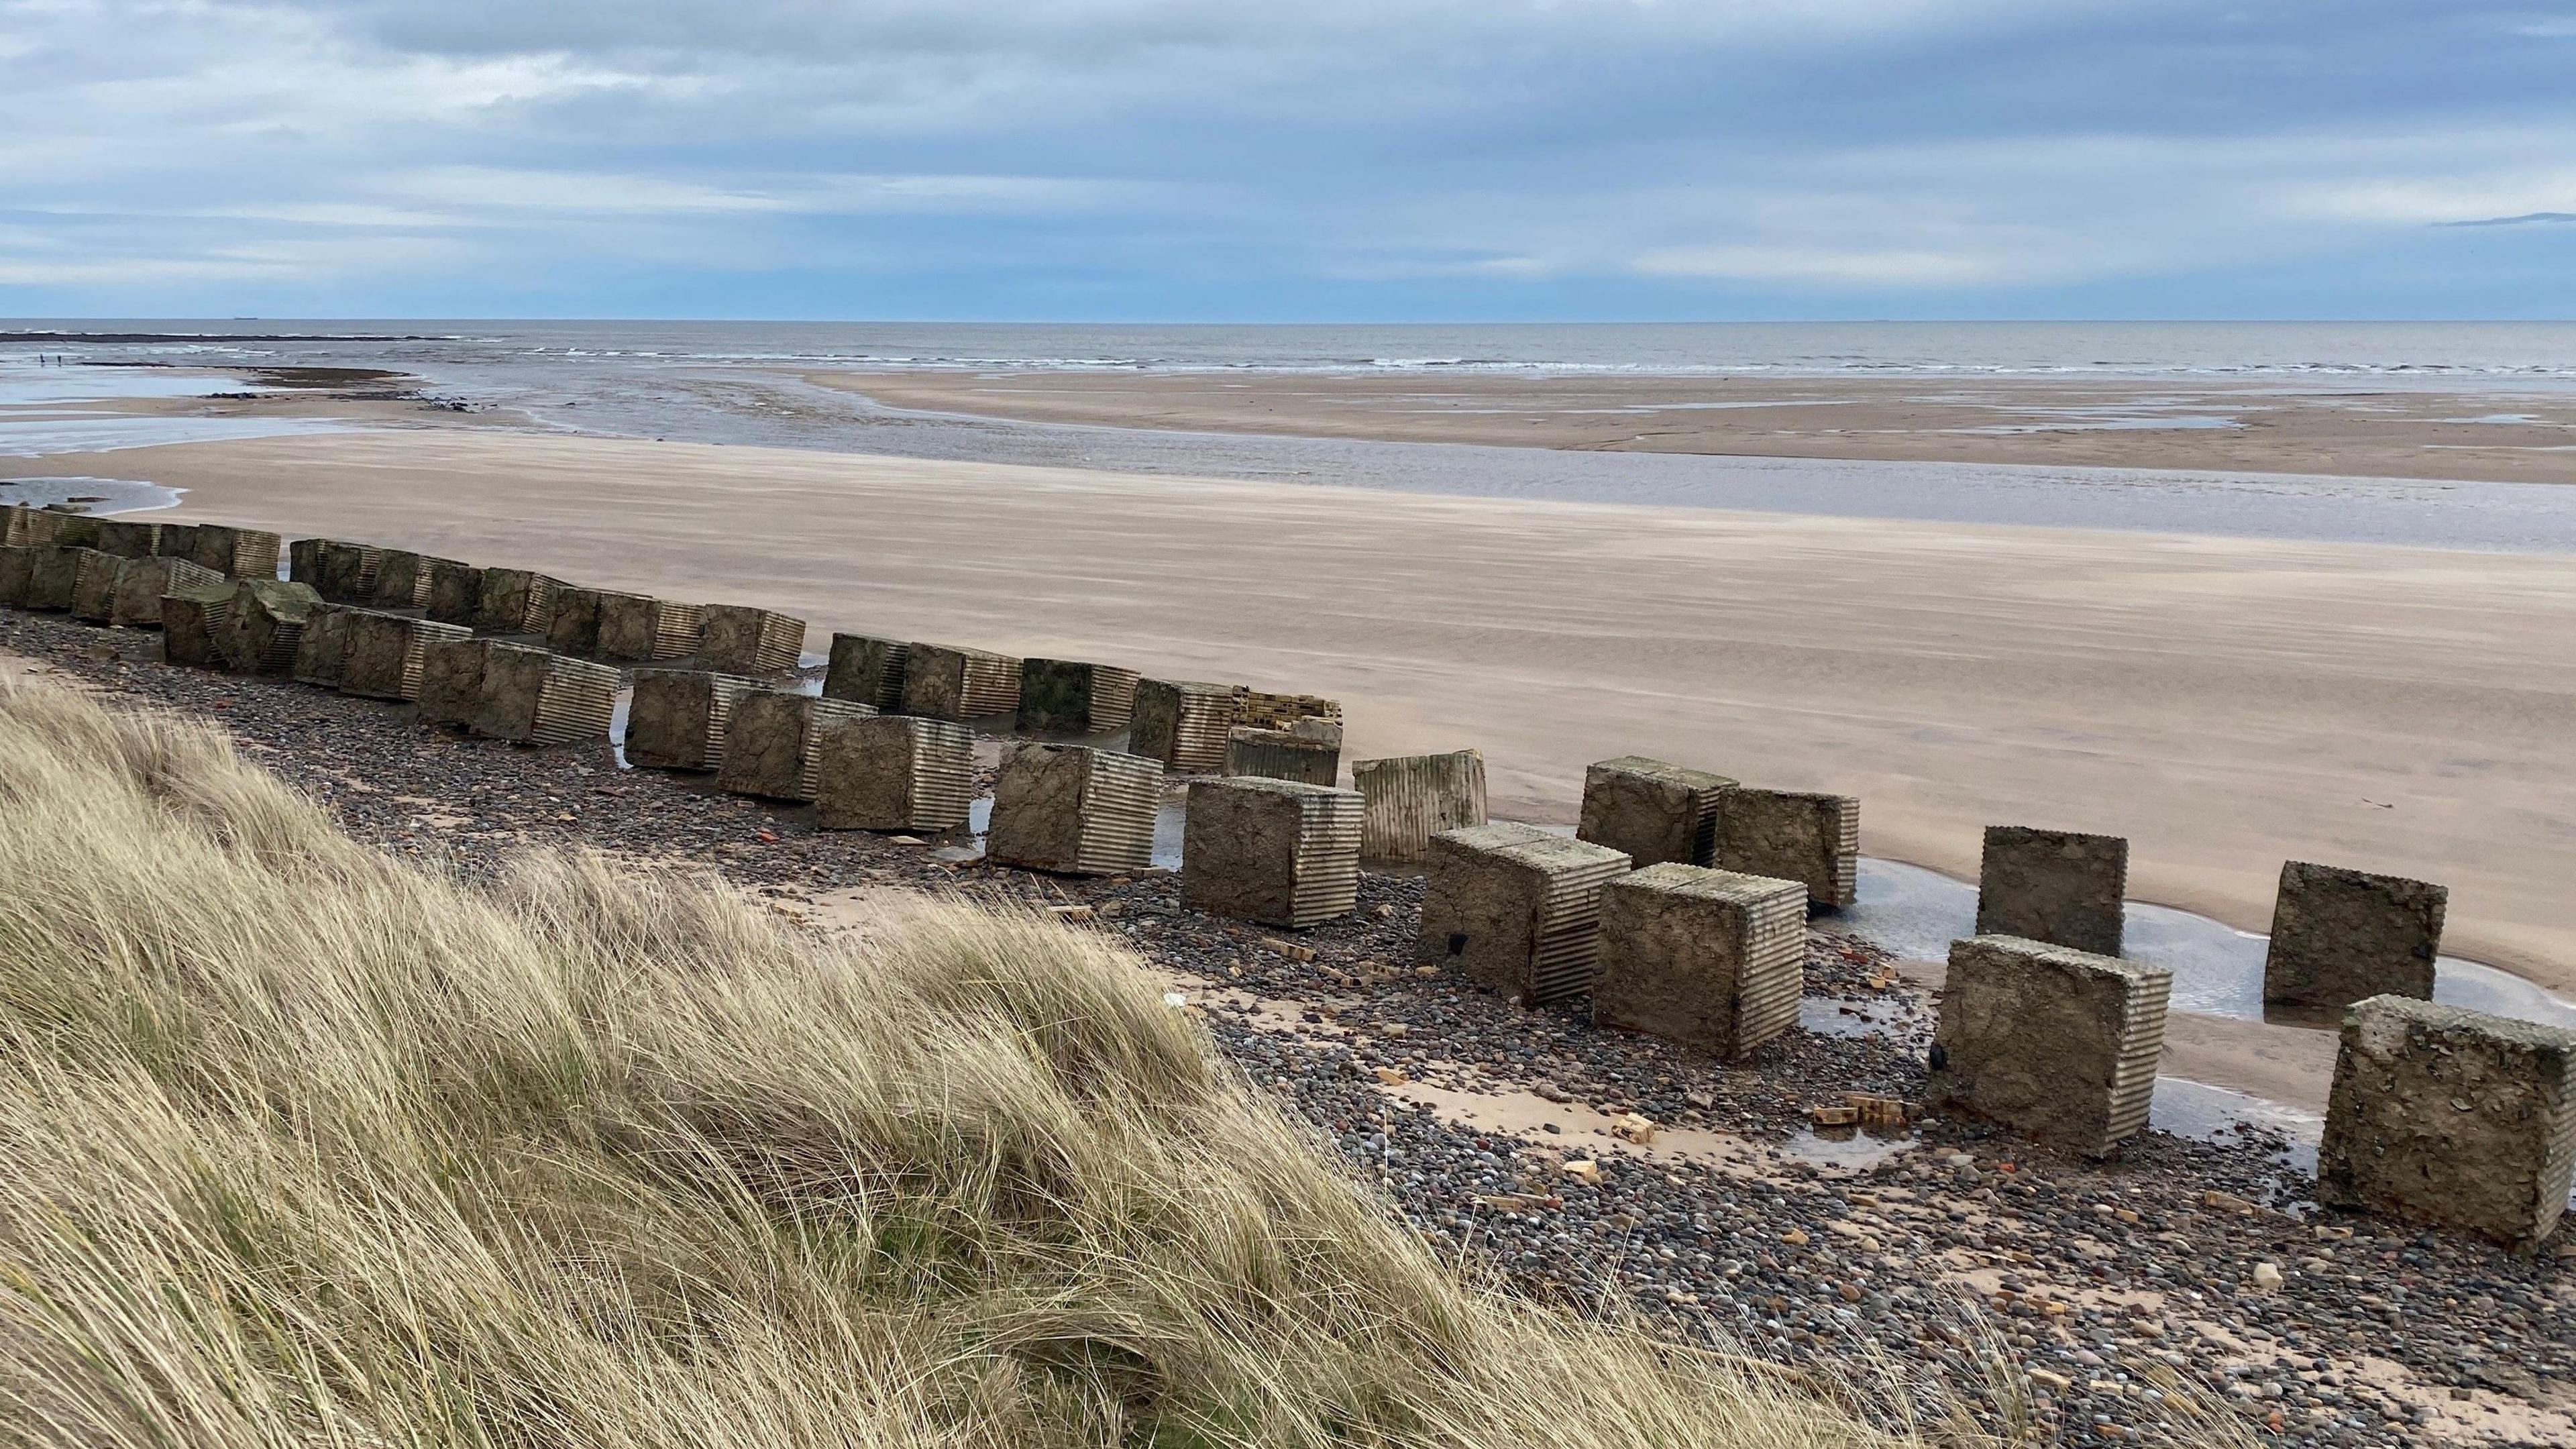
(236, 553)
(770, 742)
(455, 592)
(196, 618)
(1809, 838)
(1515, 907)
(323, 652)
(945, 682)
(1276, 852)
(538, 697)
(53, 573)
(2451, 1117)
(640, 628)
(739, 639)
(141, 582)
(266, 625)
(1308, 751)
(2056, 886)
(515, 601)
(1652, 811)
(1065, 696)
(866, 670)
(1182, 725)
(1074, 810)
(574, 627)
(677, 718)
(2339, 936)
(128, 538)
(404, 579)
(17, 571)
(1411, 798)
(1710, 959)
(451, 677)
(384, 653)
(894, 772)
(2055, 1043)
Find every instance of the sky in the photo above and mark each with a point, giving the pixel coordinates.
(1249, 160)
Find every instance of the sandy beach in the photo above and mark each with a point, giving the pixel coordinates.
(2226, 703)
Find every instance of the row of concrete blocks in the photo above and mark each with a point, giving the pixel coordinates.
(241, 553)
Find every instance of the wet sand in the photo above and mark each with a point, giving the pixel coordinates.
(2371, 430)
(2226, 703)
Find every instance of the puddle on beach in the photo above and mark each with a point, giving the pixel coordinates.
(1848, 1147)
(94, 495)
(51, 410)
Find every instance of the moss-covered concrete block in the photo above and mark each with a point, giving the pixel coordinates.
(948, 682)
(1069, 697)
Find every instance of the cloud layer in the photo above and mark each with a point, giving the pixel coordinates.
(1254, 159)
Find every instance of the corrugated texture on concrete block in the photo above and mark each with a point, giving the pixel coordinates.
(2452, 1117)
(17, 571)
(1708, 958)
(1652, 811)
(2339, 936)
(1308, 752)
(267, 624)
(455, 592)
(451, 678)
(236, 553)
(534, 696)
(2055, 1043)
(2056, 886)
(128, 537)
(383, 658)
(866, 670)
(1183, 725)
(515, 601)
(1793, 835)
(404, 579)
(324, 650)
(1515, 907)
(637, 628)
(770, 742)
(141, 582)
(943, 681)
(1412, 798)
(1065, 696)
(574, 629)
(94, 586)
(346, 572)
(894, 772)
(739, 639)
(677, 718)
(50, 579)
(1272, 851)
(1074, 810)
(196, 618)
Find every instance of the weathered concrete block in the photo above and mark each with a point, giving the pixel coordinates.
(2056, 886)
(451, 678)
(141, 583)
(770, 742)
(323, 653)
(346, 572)
(1254, 709)
(455, 592)
(945, 682)
(1272, 851)
(1064, 696)
(516, 601)
(404, 579)
(2055, 1043)
(179, 541)
(1309, 752)
(267, 624)
(2451, 1117)
(16, 526)
(533, 696)
(383, 659)
(94, 586)
(574, 627)
(1515, 907)
(17, 571)
(739, 639)
(236, 553)
(1074, 810)
(866, 670)
(894, 772)
(1182, 725)
(1411, 798)
(304, 561)
(1708, 958)
(2339, 936)
(196, 620)
(50, 578)
(1652, 811)
(640, 628)
(73, 530)
(128, 537)
(1792, 835)
(677, 718)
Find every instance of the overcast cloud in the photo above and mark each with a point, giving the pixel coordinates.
(1323, 159)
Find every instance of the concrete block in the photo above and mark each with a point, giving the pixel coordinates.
(451, 678)
(1074, 810)
(404, 579)
(128, 537)
(515, 601)
(945, 682)
(14, 526)
(56, 568)
(17, 571)
(323, 652)
(1276, 852)
(739, 639)
(1183, 725)
(1309, 752)
(196, 620)
(266, 625)
(894, 772)
(73, 530)
(2451, 1117)
(771, 742)
(1067, 697)
(1710, 959)
(677, 718)
(2056, 886)
(1411, 798)
(141, 583)
(638, 628)
(1254, 709)
(236, 553)
(534, 696)
(2055, 1043)
(304, 561)
(574, 627)
(866, 670)
(455, 592)
(345, 573)
(1792, 835)
(2339, 936)
(383, 659)
(179, 541)
(1652, 811)
(1516, 908)
(94, 586)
